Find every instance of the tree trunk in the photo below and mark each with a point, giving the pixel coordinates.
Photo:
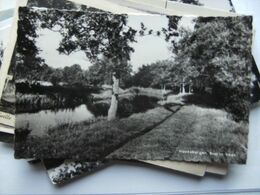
(114, 100)
(164, 93)
(183, 86)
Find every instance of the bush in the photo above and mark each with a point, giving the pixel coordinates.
(234, 100)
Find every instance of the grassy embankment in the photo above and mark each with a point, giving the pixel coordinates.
(88, 141)
(191, 130)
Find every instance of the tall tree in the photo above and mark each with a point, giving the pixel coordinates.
(225, 56)
(74, 75)
(83, 31)
(56, 76)
(217, 51)
(101, 73)
(25, 57)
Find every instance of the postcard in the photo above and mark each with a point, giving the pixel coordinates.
(226, 5)
(178, 7)
(58, 177)
(255, 96)
(40, 4)
(180, 103)
(197, 169)
(62, 171)
(6, 106)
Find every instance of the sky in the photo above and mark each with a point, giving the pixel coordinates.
(48, 42)
(148, 49)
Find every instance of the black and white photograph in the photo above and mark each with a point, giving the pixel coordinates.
(226, 5)
(63, 171)
(8, 95)
(181, 7)
(60, 4)
(136, 87)
(6, 104)
(255, 85)
(4, 32)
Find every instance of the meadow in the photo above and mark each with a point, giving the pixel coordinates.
(193, 134)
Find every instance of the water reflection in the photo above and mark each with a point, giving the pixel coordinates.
(43, 120)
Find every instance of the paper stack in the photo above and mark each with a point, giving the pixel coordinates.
(86, 84)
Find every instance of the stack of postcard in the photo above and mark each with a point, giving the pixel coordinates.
(85, 84)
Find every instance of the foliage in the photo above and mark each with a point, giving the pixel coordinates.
(25, 58)
(74, 75)
(216, 52)
(106, 46)
(101, 73)
(153, 75)
(210, 56)
(82, 31)
(52, 4)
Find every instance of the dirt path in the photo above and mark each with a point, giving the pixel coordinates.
(191, 133)
(154, 139)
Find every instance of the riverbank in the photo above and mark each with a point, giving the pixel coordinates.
(189, 132)
(88, 141)
(131, 101)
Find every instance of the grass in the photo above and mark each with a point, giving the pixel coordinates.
(86, 141)
(31, 103)
(37, 102)
(192, 134)
(195, 133)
